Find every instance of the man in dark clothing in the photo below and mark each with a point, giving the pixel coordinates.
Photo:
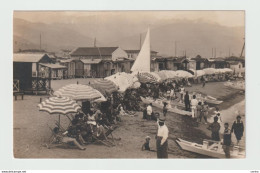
(226, 140)
(215, 127)
(238, 128)
(187, 101)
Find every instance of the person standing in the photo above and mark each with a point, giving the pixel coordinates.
(226, 140)
(199, 112)
(194, 103)
(149, 111)
(203, 82)
(182, 91)
(238, 128)
(161, 139)
(165, 108)
(205, 111)
(187, 101)
(215, 127)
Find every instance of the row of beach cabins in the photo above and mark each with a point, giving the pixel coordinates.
(34, 71)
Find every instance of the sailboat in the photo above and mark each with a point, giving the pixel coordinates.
(143, 60)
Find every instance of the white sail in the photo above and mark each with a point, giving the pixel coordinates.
(143, 61)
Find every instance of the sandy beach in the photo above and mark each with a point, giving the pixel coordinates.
(32, 128)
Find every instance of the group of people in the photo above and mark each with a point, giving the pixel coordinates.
(237, 128)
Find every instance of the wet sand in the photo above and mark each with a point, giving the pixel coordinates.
(31, 130)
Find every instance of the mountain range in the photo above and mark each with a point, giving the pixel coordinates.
(192, 37)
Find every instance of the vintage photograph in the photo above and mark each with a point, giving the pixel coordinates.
(129, 84)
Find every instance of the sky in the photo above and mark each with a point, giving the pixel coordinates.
(225, 18)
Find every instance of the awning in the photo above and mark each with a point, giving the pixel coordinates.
(53, 66)
(91, 61)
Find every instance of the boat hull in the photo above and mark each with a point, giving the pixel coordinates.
(158, 105)
(198, 148)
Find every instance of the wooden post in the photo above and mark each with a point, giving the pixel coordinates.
(37, 81)
(50, 78)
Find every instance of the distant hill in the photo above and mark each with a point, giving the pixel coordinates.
(194, 37)
(54, 37)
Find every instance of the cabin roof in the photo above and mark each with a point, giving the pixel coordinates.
(53, 66)
(93, 51)
(137, 51)
(28, 57)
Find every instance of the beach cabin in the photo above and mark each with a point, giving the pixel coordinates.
(100, 61)
(26, 72)
(70, 64)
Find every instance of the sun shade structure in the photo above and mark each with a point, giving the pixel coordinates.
(124, 81)
(59, 105)
(105, 86)
(146, 77)
(78, 92)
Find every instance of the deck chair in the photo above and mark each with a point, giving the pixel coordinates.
(108, 133)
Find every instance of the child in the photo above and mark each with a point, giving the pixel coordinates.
(146, 146)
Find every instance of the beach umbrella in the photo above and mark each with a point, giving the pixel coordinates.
(123, 81)
(162, 75)
(148, 77)
(105, 86)
(78, 92)
(209, 71)
(200, 73)
(59, 105)
(183, 74)
(169, 74)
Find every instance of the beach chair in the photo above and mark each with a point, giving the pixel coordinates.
(108, 133)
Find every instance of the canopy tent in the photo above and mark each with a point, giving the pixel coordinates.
(78, 92)
(106, 87)
(143, 60)
(124, 81)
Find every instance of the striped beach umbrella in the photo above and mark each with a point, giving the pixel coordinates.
(105, 86)
(148, 77)
(59, 105)
(78, 92)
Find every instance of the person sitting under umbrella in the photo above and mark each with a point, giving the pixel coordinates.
(63, 138)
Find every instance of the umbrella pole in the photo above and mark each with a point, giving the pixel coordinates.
(59, 120)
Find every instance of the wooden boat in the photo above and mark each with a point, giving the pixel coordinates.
(210, 148)
(159, 104)
(207, 98)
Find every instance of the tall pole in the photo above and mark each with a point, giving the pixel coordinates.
(175, 48)
(40, 41)
(212, 53)
(229, 52)
(140, 42)
(242, 48)
(95, 42)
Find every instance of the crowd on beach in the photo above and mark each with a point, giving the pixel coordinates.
(95, 121)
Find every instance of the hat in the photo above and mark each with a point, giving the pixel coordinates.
(147, 137)
(162, 119)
